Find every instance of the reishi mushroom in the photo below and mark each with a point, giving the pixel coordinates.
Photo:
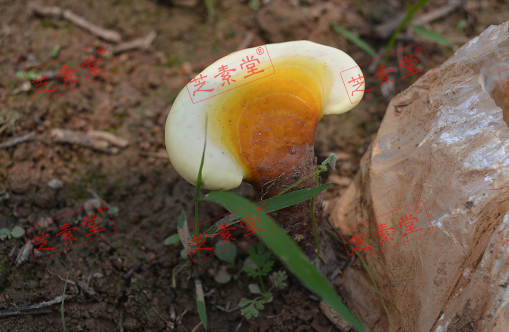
(263, 132)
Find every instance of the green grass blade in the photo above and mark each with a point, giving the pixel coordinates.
(181, 220)
(200, 303)
(400, 27)
(277, 203)
(354, 39)
(182, 227)
(289, 253)
(432, 35)
(376, 288)
(225, 252)
(55, 51)
(286, 200)
(199, 182)
(172, 239)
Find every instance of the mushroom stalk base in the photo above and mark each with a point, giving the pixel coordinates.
(296, 220)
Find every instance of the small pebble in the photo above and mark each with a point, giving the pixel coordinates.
(130, 324)
(55, 184)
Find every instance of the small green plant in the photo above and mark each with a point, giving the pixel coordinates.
(254, 5)
(261, 267)
(171, 61)
(55, 51)
(16, 232)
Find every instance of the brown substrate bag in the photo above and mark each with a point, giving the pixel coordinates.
(443, 141)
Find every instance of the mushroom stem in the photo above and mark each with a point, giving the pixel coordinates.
(296, 220)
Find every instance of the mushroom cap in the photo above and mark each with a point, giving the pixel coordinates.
(299, 75)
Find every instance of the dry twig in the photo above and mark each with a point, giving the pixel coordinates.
(142, 43)
(19, 311)
(74, 137)
(105, 34)
(99, 134)
(17, 140)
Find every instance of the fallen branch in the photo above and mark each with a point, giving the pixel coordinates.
(17, 140)
(19, 311)
(105, 34)
(74, 137)
(142, 43)
(120, 142)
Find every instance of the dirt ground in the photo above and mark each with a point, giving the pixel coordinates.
(139, 180)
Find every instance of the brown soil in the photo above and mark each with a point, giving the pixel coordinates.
(133, 104)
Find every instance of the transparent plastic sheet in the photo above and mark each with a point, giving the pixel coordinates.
(443, 141)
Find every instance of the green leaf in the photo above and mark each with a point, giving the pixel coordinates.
(252, 255)
(278, 278)
(354, 39)
(254, 5)
(114, 210)
(5, 231)
(202, 312)
(182, 227)
(249, 263)
(461, 25)
(432, 35)
(269, 298)
(289, 253)
(263, 258)
(277, 203)
(200, 303)
(259, 305)
(226, 252)
(199, 182)
(251, 272)
(266, 268)
(286, 200)
(183, 253)
(250, 310)
(30, 76)
(244, 302)
(181, 220)
(19, 74)
(17, 231)
(255, 289)
(260, 248)
(175, 238)
(332, 159)
(55, 51)
(222, 276)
